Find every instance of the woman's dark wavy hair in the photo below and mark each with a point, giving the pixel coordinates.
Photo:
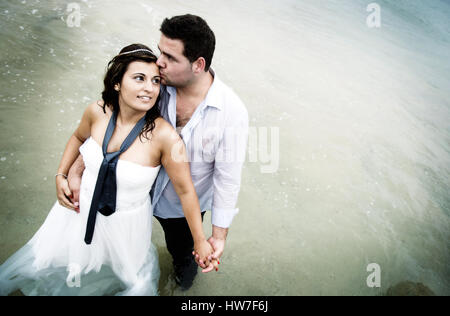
(114, 74)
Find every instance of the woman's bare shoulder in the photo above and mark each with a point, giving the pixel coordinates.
(163, 130)
(161, 123)
(97, 110)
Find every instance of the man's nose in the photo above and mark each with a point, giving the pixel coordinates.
(159, 61)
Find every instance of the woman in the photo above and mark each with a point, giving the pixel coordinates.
(123, 142)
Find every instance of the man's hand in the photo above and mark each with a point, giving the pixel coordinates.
(63, 193)
(217, 241)
(74, 179)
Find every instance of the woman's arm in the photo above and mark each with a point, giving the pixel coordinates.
(71, 152)
(174, 160)
(74, 178)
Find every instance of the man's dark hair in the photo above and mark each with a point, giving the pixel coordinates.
(194, 32)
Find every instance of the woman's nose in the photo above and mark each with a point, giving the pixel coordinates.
(149, 86)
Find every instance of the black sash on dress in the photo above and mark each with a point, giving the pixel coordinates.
(104, 198)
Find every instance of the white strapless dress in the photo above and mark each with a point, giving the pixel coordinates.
(120, 260)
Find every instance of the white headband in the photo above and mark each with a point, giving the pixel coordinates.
(137, 50)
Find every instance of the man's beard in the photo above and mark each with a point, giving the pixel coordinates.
(176, 84)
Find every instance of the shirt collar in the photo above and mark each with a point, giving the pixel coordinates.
(212, 97)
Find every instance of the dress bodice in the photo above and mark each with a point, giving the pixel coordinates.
(134, 181)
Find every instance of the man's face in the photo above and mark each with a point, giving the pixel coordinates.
(175, 68)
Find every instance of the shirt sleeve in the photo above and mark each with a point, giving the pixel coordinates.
(230, 157)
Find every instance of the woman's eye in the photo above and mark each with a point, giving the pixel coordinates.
(156, 80)
(139, 78)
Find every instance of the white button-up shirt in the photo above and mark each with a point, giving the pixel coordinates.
(216, 141)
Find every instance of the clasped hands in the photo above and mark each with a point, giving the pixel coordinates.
(208, 252)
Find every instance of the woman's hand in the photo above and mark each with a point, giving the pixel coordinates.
(203, 252)
(63, 192)
(218, 245)
(74, 178)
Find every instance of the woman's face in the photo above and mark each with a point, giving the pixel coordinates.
(140, 86)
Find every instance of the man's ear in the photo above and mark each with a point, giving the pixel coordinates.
(199, 65)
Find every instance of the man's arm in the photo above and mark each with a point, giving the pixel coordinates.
(228, 164)
(74, 178)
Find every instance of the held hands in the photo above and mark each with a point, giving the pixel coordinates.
(74, 186)
(203, 251)
(63, 192)
(218, 245)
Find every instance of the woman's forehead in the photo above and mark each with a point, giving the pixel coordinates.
(143, 67)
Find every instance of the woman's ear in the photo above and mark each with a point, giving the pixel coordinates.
(117, 87)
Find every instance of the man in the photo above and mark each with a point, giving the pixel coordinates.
(213, 123)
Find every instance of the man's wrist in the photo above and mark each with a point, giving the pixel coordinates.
(219, 232)
(76, 171)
